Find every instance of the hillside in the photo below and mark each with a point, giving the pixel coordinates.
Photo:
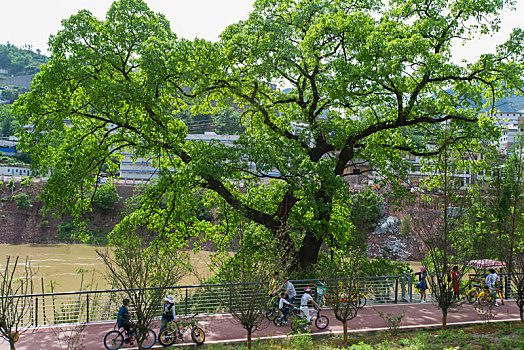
(15, 61)
(21, 219)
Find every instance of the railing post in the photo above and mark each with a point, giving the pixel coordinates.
(230, 297)
(186, 303)
(403, 286)
(507, 286)
(410, 287)
(396, 290)
(36, 312)
(87, 308)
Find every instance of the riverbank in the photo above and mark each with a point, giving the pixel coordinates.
(71, 267)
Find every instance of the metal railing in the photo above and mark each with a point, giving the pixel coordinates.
(103, 305)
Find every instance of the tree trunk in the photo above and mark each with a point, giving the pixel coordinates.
(345, 327)
(444, 319)
(521, 309)
(249, 339)
(308, 253)
(12, 344)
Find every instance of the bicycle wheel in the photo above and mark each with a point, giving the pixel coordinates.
(271, 313)
(471, 296)
(484, 299)
(361, 300)
(321, 321)
(278, 321)
(198, 335)
(113, 340)
(150, 339)
(167, 337)
(519, 302)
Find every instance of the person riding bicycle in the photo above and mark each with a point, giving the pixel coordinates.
(273, 290)
(490, 283)
(168, 312)
(304, 301)
(289, 288)
(123, 319)
(283, 305)
(273, 285)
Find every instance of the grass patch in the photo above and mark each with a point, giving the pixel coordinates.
(500, 335)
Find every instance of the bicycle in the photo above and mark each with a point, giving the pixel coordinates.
(272, 307)
(486, 297)
(298, 320)
(474, 292)
(115, 339)
(357, 299)
(167, 336)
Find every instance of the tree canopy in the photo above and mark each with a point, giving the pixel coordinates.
(364, 78)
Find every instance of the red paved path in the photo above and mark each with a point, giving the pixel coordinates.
(222, 328)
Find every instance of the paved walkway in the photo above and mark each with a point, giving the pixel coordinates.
(224, 329)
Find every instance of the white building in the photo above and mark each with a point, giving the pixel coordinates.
(10, 170)
(142, 169)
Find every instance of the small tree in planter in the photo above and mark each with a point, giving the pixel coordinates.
(14, 281)
(343, 286)
(144, 269)
(245, 277)
(444, 235)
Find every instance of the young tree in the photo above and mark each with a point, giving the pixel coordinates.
(508, 209)
(143, 268)
(15, 281)
(343, 285)
(245, 276)
(364, 78)
(443, 235)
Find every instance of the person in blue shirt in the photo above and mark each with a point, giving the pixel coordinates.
(123, 319)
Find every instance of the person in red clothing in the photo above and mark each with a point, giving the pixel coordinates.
(455, 280)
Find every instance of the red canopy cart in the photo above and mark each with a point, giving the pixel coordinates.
(486, 264)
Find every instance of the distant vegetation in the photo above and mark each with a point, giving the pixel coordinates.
(20, 61)
(8, 122)
(18, 160)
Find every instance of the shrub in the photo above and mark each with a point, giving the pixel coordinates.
(65, 231)
(105, 198)
(23, 202)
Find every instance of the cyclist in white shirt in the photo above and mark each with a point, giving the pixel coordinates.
(490, 283)
(283, 305)
(304, 301)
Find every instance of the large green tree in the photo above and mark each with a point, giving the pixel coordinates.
(362, 76)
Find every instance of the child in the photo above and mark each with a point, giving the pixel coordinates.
(283, 305)
(168, 311)
(304, 301)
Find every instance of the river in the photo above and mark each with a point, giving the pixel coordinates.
(64, 264)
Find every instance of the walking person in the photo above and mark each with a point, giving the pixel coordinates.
(422, 284)
(455, 280)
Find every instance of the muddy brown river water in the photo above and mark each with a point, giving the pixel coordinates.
(61, 264)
